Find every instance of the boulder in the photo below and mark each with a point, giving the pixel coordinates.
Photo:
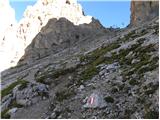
(23, 102)
(95, 100)
(53, 115)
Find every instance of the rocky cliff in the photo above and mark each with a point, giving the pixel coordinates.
(85, 71)
(142, 11)
(58, 35)
(19, 35)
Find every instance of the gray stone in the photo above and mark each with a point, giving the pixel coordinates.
(53, 115)
(15, 90)
(101, 73)
(81, 87)
(41, 88)
(44, 98)
(60, 117)
(12, 111)
(57, 109)
(35, 100)
(95, 100)
(6, 104)
(6, 97)
(135, 61)
(22, 102)
(137, 115)
(70, 77)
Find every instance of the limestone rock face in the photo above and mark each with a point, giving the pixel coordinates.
(142, 11)
(58, 35)
(17, 37)
(37, 16)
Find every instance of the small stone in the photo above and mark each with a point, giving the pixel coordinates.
(135, 61)
(129, 55)
(85, 100)
(53, 115)
(150, 95)
(106, 74)
(59, 117)
(138, 116)
(107, 111)
(69, 114)
(70, 77)
(81, 87)
(44, 98)
(12, 111)
(47, 117)
(57, 109)
(101, 73)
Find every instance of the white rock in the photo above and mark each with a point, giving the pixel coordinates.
(95, 100)
(135, 61)
(53, 115)
(81, 87)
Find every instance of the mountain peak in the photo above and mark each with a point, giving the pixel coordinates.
(34, 18)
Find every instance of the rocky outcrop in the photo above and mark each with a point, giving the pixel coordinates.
(58, 35)
(142, 11)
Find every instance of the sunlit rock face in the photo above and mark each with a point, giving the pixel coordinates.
(16, 37)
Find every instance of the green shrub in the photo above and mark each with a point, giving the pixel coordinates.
(65, 94)
(15, 104)
(141, 100)
(114, 90)
(5, 115)
(109, 99)
(151, 89)
(41, 79)
(9, 88)
(54, 74)
(23, 84)
(133, 82)
(88, 73)
(151, 115)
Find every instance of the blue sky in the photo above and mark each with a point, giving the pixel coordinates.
(110, 13)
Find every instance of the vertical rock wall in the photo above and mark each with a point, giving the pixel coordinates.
(142, 11)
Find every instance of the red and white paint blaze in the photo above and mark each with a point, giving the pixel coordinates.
(91, 100)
